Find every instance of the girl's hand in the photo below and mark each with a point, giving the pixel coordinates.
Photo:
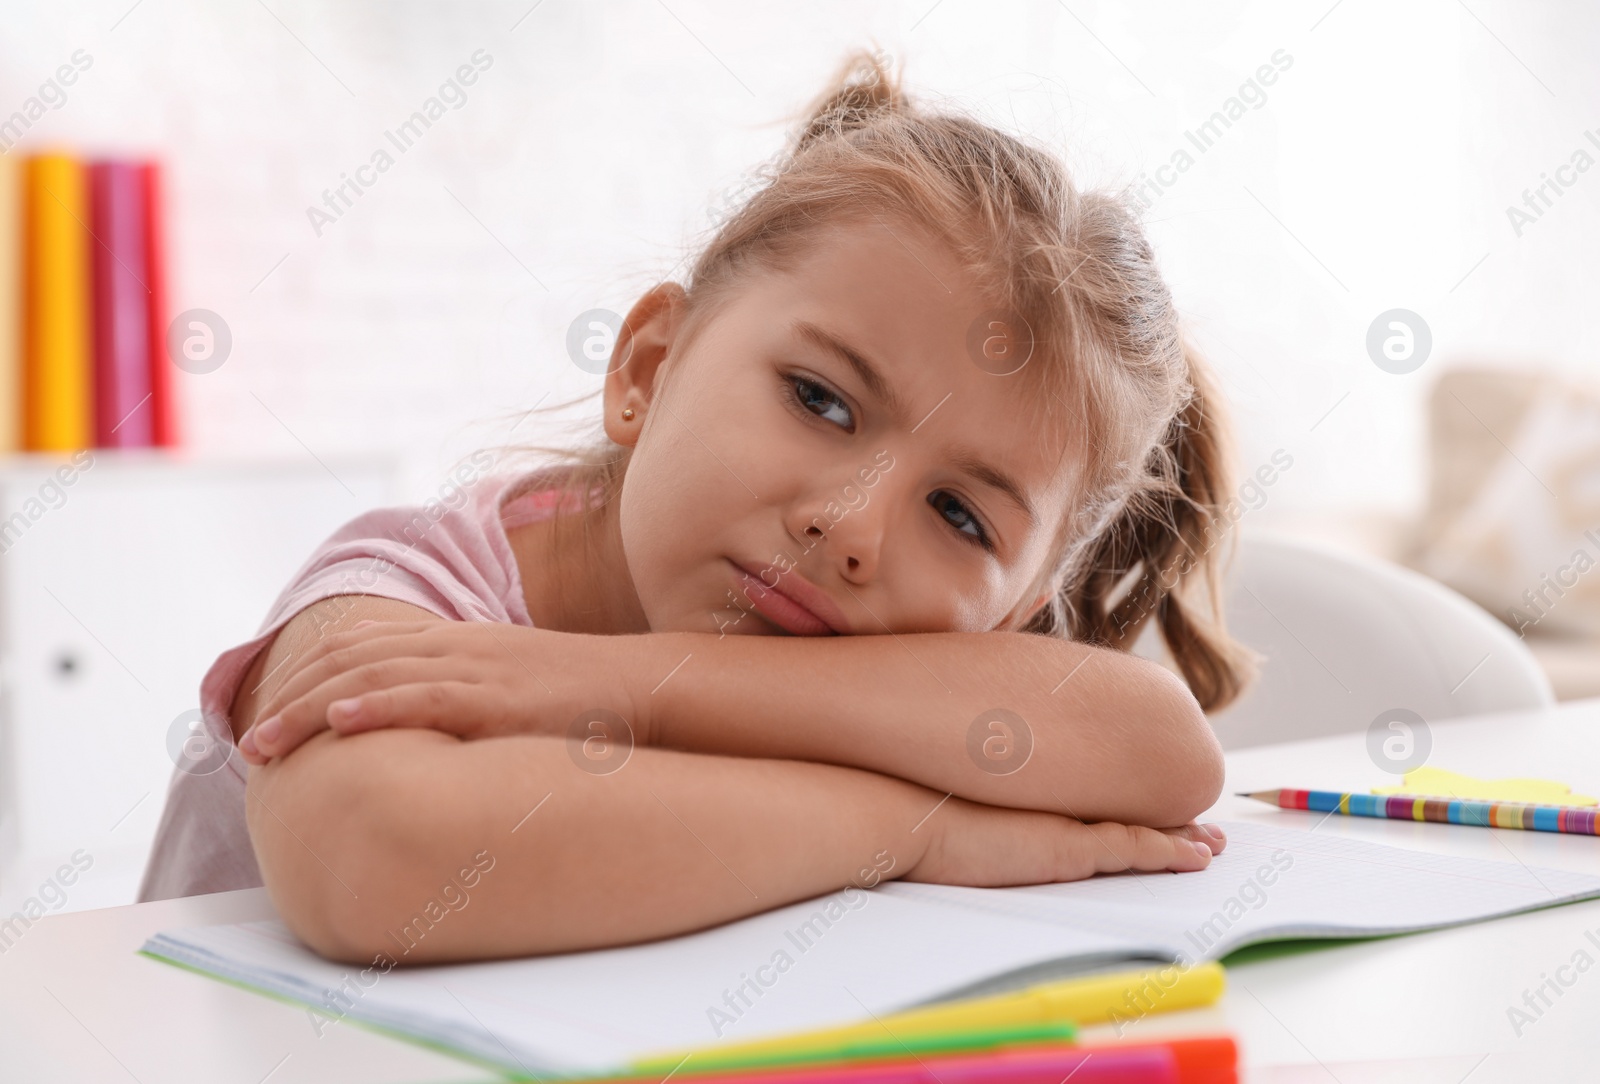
(989, 847)
(469, 678)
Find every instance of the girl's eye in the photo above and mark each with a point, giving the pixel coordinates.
(959, 516)
(817, 399)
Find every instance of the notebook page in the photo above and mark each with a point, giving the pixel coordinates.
(853, 955)
(1273, 884)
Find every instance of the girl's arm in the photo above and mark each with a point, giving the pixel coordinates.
(1113, 737)
(357, 835)
(425, 847)
(1008, 719)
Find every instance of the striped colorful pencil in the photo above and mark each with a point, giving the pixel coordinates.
(1405, 807)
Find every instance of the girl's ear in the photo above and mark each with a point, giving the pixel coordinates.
(643, 344)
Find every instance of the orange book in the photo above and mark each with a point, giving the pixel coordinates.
(10, 304)
(58, 403)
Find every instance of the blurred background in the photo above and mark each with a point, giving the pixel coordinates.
(1380, 219)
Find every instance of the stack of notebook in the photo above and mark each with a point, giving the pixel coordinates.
(82, 300)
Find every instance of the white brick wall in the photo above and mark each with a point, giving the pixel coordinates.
(602, 133)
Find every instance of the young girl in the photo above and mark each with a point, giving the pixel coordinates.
(888, 488)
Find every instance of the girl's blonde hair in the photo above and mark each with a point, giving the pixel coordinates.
(1075, 270)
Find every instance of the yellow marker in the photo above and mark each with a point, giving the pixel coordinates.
(1090, 1000)
(1438, 783)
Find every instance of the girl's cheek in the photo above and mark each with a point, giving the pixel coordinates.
(983, 607)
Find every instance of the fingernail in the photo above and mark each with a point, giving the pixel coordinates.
(363, 623)
(247, 744)
(1201, 849)
(1212, 830)
(267, 730)
(346, 709)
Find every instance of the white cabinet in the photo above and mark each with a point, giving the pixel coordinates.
(117, 591)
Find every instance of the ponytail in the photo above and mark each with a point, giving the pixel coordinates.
(1165, 536)
(862, 89)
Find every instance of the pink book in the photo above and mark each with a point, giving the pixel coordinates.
(124, 414)
(155, 252)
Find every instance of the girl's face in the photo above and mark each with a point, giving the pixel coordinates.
(899, 492)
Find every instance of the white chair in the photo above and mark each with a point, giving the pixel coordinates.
(1347, 638)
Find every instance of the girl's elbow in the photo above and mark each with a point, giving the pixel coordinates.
(1198, 778)
(397, 830)
(320, 843)
(341, 940)
(1192, 770)
(318, 906)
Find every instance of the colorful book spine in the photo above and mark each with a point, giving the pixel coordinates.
(124, 416)
(155, 250)
(57, 378)
(10, 304)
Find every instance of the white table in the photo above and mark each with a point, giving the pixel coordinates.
(78, 1003)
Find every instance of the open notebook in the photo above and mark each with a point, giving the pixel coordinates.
(854, 955)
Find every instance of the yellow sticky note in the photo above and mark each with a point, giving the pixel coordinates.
(1438, 783)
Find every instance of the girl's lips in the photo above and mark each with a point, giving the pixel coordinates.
(780, 609)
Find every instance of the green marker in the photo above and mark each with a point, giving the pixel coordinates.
(887, 1047)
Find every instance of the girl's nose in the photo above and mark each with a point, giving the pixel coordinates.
(851, 536)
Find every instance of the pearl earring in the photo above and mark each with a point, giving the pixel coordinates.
(627, 414)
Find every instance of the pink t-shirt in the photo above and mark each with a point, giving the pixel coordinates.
(453, 561)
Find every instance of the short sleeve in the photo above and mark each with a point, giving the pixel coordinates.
(455, 562)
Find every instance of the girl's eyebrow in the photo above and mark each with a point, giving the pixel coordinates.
(963, 458)
(968, 462)
(868, 373)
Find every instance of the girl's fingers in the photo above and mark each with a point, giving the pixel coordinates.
(298, 720)
(1209, 834)
(342, 652)
(1114, 848)
(987, 846)
(436, 705)
(276, 736)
